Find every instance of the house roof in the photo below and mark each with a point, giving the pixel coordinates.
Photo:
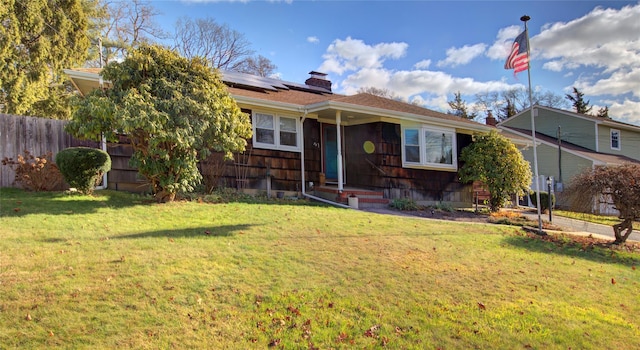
(268, 92)
(597, 120)
(597, 157)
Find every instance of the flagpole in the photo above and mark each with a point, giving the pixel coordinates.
(524, 19)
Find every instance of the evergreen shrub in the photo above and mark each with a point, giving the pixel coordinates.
(82, 167)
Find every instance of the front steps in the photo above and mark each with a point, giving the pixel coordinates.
(366, 198)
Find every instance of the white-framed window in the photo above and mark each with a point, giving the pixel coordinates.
(615, 139)
(275, 131)
(429, 147)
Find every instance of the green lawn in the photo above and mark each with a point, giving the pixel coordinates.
(118, 271)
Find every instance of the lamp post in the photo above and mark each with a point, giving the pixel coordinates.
(549, 180)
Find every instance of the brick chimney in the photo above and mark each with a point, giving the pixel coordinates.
(318, 79)
(490, 119)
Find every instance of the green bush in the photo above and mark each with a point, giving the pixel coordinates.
(82, 167)
(404, 204)
(544, 200)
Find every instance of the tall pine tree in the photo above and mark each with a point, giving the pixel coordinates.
(579, 104)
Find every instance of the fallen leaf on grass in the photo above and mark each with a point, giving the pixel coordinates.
(481, 306)
(613, 281)
(28, 318)
(293, 310)
(274, 342)
(16, 209)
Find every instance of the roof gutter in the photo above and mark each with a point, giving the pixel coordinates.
(273, 104)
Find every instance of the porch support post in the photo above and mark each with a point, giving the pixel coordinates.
(339, 141)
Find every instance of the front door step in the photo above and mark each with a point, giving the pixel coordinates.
(366, 198)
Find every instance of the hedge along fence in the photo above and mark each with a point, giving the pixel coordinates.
(36, 135)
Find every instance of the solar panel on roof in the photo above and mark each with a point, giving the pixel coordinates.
(252, 81)
(271, 84)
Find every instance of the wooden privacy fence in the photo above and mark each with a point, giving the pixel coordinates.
(36, 135)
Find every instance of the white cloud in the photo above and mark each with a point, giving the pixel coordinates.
(603, 38)
(463, 55)
(625, 111)
(431, 87)
(504, 40)
(363, 65)
(424, 64)
(353, 54)
(620, 82)
(313, 39)
(605, 41)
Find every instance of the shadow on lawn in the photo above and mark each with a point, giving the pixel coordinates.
(212, 231)
(600, 252)
(20, 203)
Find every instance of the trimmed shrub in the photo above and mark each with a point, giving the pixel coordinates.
(544, 200)
(35, 173)
(82, 167)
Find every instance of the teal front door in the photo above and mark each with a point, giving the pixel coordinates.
(330, 150)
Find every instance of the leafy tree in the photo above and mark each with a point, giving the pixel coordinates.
(38, 39)
(173, 109)
(496, 162)
(459, 108)
(223, 47)
(577, 100)
(619, 183)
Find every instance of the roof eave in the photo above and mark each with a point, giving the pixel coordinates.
(386, 113)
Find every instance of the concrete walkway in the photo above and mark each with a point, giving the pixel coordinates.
(581, 227)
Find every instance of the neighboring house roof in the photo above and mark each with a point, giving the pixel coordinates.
(596, 157)
(597, 120)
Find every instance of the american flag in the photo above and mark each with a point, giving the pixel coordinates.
(518, 59)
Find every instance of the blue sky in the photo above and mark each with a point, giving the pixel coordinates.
(425, 51)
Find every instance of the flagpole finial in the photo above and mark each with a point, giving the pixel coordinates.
(525, 18)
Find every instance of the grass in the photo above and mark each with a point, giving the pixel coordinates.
(114, 270)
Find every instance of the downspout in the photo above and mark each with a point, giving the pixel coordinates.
(103, 144)
(103, 139)
(302, 177)
(339, 141)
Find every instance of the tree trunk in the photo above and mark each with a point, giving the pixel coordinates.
(165, 196)
(618, 228)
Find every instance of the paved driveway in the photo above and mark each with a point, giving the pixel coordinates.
(584, 227)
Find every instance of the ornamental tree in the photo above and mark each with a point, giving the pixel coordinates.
(620, 184)
(496, 162)
(174, 110)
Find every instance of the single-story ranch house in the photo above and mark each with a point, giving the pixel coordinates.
(310, 141)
